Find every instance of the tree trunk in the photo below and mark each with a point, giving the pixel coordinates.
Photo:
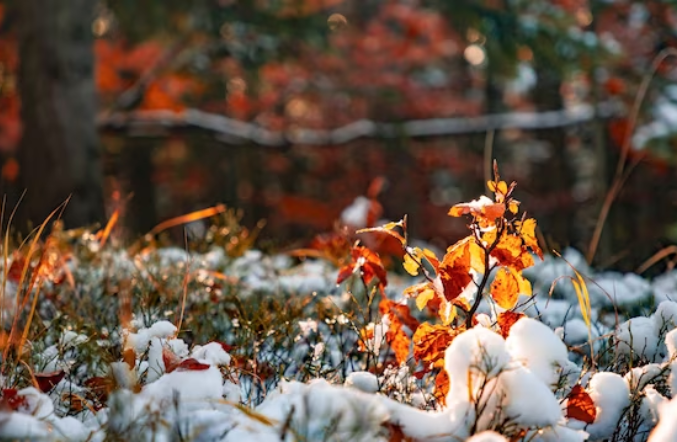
(59, 153)
(555, 179)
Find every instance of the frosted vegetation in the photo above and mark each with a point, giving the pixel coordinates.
(159, 344)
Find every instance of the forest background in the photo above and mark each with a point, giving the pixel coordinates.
(291, 109)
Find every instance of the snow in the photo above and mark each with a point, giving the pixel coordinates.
(192, 387)
(487, 436)
(212, 353)
(518, 383)
(666, 430)
(140, 340)
(363, 381)
(637, 338)
(611, 396)
(638, 377)
(18, 426)
(539, 408)
(355, 215)
(472, 359)
(671, 344)
(536, 346)
(665, 317)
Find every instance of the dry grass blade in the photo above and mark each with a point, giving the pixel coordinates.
(622, 173)
(581, 289)
(20, 304)
(184, 296)
(5, 255)
(188, 218)
(661, 254)
(105, 233)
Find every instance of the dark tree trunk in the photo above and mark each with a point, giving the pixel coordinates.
(555, 179)
(59, 154)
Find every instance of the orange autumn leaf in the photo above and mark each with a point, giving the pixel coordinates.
(334, 246)
(129, 357)
(506, 320)
(580, 405)
(509, 251)
(414, 258)
(430, 343)
(400, 316)
(399, 342)
(397, 311)
(366, 335)
(500, 187)
(442, 387)
(454, 271)
(395, 433)
(505, 289)
(528, 234)
(423, 293)
(367, 263)
(483, 208)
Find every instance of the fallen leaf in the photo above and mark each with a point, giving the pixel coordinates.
(47, 381)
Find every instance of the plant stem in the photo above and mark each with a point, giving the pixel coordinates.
(485, 277)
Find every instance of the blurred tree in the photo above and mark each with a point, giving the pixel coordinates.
(59, 153)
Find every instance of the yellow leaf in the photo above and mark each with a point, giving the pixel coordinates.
(505, 289)
(502, 187)
(410, 265)
(491, 185)
(447, 312)
(476, 256)
(457, 211)
(424, 297)
(523, 284)
(528, 234)
(513, 207)
(432, 259)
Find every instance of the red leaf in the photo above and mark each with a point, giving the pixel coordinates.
(170, 360)
(225, 347)
(47, 381)
(580, 405)
(193, 365)
(344, 273)
(10, 398)
(16, 268)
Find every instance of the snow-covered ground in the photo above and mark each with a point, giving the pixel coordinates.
(304, 379)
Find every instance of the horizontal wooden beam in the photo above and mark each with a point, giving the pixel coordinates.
(231, 131)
